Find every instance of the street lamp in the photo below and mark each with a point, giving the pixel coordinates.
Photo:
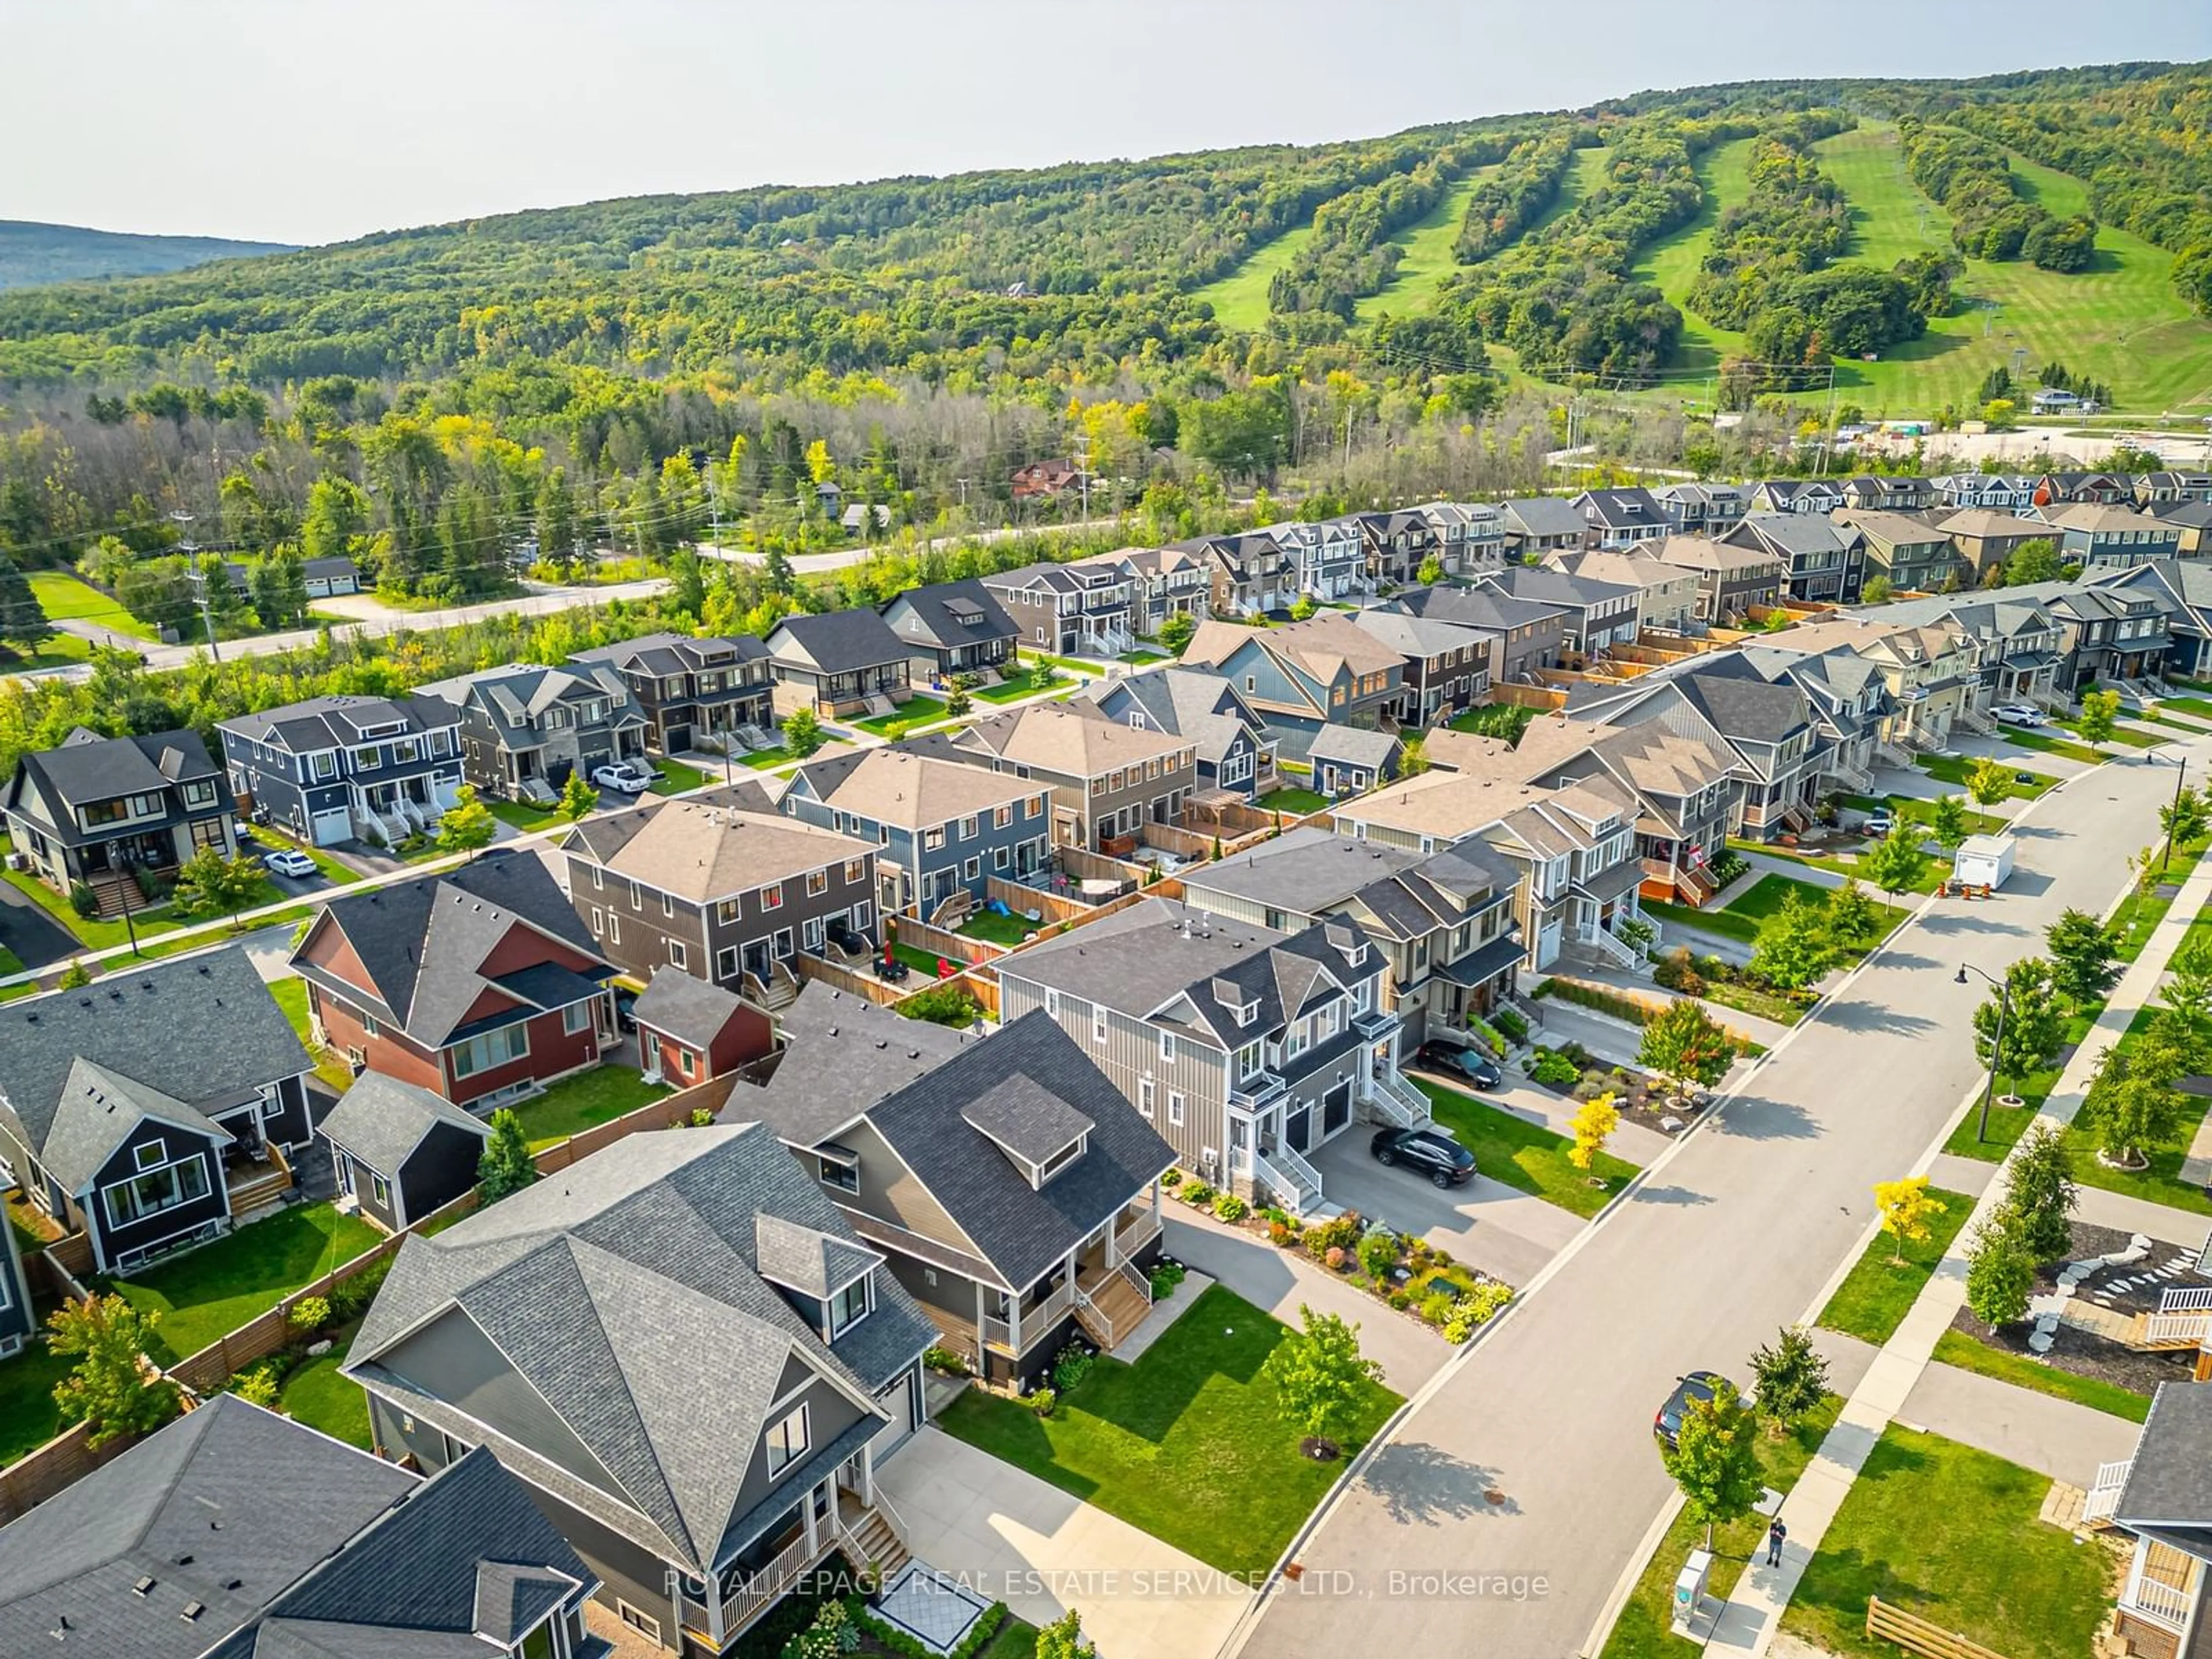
(2181, 772)
(1997, 1043)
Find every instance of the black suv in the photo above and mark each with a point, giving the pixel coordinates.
(1436, 1156)
(1698, 1385)
(1461, 1061)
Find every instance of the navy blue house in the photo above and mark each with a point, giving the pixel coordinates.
(347, 768)
(1235, 752)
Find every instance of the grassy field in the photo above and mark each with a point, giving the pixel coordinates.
(1524, 1155)
(1240, 298)
(1672, 262)
(1427, 254)
(63, 596)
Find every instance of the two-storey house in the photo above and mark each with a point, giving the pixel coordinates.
(2192, 525)
(1444, 921)
(1987, 539)
(1107, 778)
(2168, 485)
(1732, 579)
(1523, 635)
(1666, 594)
(1848, 698)
(1820, 496)
(1068, 610)
(116, 814)
(1890, 493)
(1473, 533)
(1537, 525)
(2055, 490)
(840, 663)
(731, 896)
(942, 829)
(2096, 536)
(2106, 632)
(1931, 671)
(1910, 553)
(2184, 587)
(1599, 614)
(1164, 582)
(1767, 726)
(1446, 665)
(1328, 559)
(1252, 573)
(1302, 675)
(1011, 1189)
(1247, 1050)
(952, 628)
(1620, 518)
(239, 1533)
(686, 1354)
(1398, 544)
(1235, 755)
(19, 1318)
(524, 729)
(693, 688)
(151, 1111)
(2000, 492)
(347, 768)
(2020, 645)
(1821, 560)
(1702, 509)
(2162, 1495)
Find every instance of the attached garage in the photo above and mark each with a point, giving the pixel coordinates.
(331, 826)
(902, 1401)
(1335, 1109)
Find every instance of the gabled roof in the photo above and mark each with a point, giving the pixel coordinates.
(702, 853)
(1542, 515)
(1546, 585)
(842, 1055)
(589, 1282)
(949, 614)
(2169, 1494)
(1979, 523)
(422, 944)
(1702, 553)
(1628, 508)
(86, 767)
(2102, 518)
(909, 790)
(1741, 706)
(836, 642)
(1304, 871)
(510, 697)
(1416, 637)
(1627, 567)
(1322, 646)
(1889, 529)
(691, 1010)
(1355, 745)
(1483, 607)
(1789, 534)
(1049, 736)
(381, 1120)
(340, 722)
(1195, 704)
(204, 1026)
(664, 654)
(98, 1111)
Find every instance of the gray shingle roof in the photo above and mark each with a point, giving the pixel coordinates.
(1741, 705)
(204, 1026)
(1475, 607)
(86, 767)
(664, 654)
(338, 722)
(1542, 515)
(2169, 1494)
(805, 1259)
(381, 1120)
(688, 1009)
(1304, 871)
(1355, 745)
(843, 1054)
(1190, 703)
(949, 614)
(836, 642)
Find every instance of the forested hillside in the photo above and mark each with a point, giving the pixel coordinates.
(32, 253)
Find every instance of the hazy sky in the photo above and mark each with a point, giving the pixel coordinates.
(314, 120)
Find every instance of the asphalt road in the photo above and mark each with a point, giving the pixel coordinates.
(1534, 1458)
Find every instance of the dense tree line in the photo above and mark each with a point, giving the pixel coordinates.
(1524, 187)
(1972, 180)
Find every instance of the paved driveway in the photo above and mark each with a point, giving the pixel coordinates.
(27, 929)
(1484, 1224)
(1013, 1538)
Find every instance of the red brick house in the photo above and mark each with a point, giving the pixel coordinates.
(1045, 480)
(690, 1030)
(479, 985)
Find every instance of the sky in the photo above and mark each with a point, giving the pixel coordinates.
(317, 120)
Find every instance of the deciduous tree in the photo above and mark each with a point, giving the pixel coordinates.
(2034, 1024)
(1592, 1125)
(467, 824)
(1852, 919)
(2041, 1192)
(578, 797)
(1947, 821)
(2101, 713)
(1686, 1048)
(1989, 782)
(2184, 817)
(1715, 1459)
(2000, 1272)
(1897, 862)
(1907, 1206)
(2131, 1104)
(802, 732)
(1791, 1375)
(209, 885)
(2084, 956)
(1320, 1377)
(108, 1389)
(1795, 944)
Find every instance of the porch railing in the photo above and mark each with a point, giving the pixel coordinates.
(766, 1587)
(1036, 1322)
(2103, 1498)
(1133, 1237)
(1392, 1092)
(2162, 1604)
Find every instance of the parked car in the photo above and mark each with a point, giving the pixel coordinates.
(625, 1010)
(1879, 823)
(289, 861)
(623, 777)
(1461, 1061)
(1436, 1155)
(1667, 1424)
(2020, 713)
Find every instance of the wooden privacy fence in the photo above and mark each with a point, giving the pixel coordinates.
(940, 942)
(865, 986)
(1916, 1635)
(68, 1457)
(1528, 696)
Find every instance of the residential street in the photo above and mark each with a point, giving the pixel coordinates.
(1534, 1455)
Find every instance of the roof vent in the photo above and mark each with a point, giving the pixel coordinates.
(881, 1043)
(833, 1030)
(191, 1610)
(183, 1560)
(144, 1586)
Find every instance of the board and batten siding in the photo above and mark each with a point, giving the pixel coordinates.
(890, 1192)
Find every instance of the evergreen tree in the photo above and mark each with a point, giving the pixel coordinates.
(2040, 1193)
(23, 623)
(506, 1166)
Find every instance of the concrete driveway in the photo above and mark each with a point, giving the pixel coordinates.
(1015, 1538)
(31, 932)
(1484, 1224)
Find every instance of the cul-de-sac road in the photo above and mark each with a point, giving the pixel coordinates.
(1733, 1236)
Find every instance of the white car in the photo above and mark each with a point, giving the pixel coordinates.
(289, 861)
(2020, 713)
(622, 777)
(1879, 823)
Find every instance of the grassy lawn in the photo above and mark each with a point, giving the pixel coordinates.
(1188, 1443)
(317, 1395)
(154, 919)
(1141, 655)
(922, 962)
(1957, 1348)
(29, 1416)
(2128, 737)
(1524, 1155)
(2195, 706)
(291, 995)
(1007, 691)
(1929, 878)
(762, 759)
(336, 873)
(1292, 800)
(990, 925)
(65, 597)
(1727, 923)
(2161, 1183)
(1872, 1303)
(2044, 744)
(1641, 1632)
(1240, 298)
(675, 777)
(1766, 896)
(55, 650)
(1950, 1534)
(1672, 261)
(219, 1287)
(1497, 719)
(915, 711)
(525, 818)
(1954, 768)
(577, 1104)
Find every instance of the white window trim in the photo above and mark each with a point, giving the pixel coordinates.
(793, 1454)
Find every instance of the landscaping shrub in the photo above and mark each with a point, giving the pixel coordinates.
(1477, 1308)
(1509, 1021)
(1071, 1368)
(1196, 1194)
(942, 1004)
(1597, 1000)
(1336, 1258)
(1489, 1035)
(1279, 1233)
(1276, 1216)
(1436, 1307)
(1172, 1178)
(1727, 866)
(1400, 1300)
(1229, 1208)
(1166, 1275)
(1553, 1070)
(310, 1313)
(1338, 1233)
(350, 1297)
(1378, 1254)
(1043, 1402)
(946, 1361)
(1677, 972)
(891, 1639)
(83, 900)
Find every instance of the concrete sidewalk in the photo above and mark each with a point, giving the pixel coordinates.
(1746, 1624)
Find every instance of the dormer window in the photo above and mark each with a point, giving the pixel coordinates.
(840, 1168)
(852, 1304)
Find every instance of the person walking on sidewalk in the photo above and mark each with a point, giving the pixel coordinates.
(1775, 1533)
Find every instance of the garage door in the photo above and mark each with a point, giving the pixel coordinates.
(1336, 1108)
(328, 827)
(1298, 1129)
(900, 1401)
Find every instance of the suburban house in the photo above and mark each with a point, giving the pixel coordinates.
(2001, 492)
(113, 811)
(731, 896)
(1931, 671)
(1302, 675)
(1822, 561)
(1398, 544)
(2105, 489)
(1443, 921)
(2163, 1495)
(1012, 1191)
(1472, 534)
(1252, 574)
(1890, 493)
(1536, 524)
(2184, 587)
(1666, 594)
(1702, 509)
(401, 1152)
(322, 579)
(941, 829)
(840, 663)
(2093, 535)
(2191, 520)
(2020, 643)
(1328, 560)
(689, 1030)
(684, 1351)
(1107, 777)
(2107, 633)
(1620, 518)
(1848, 694)
(1044, 480)
(693, 688)
(1767, 726)
(1910, 553)
(525, 729)
(19, 1316)
(1069, 610)
(153, 1108)
(1347, 759)
(1820, 496)
(1599, 614)
(1987, 538)
(1731, 578)
(1164, 582)
(479, 984)
(375, 770)
(236, 1533)
(1446, 665)
(1236, 756)
(1245, 1048)
(1524, 635)
(2153, 487)
(952, 628)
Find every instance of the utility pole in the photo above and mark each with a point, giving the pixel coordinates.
(1083, 474)
(198, 579)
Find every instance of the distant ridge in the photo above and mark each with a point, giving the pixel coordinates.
(33, 253)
